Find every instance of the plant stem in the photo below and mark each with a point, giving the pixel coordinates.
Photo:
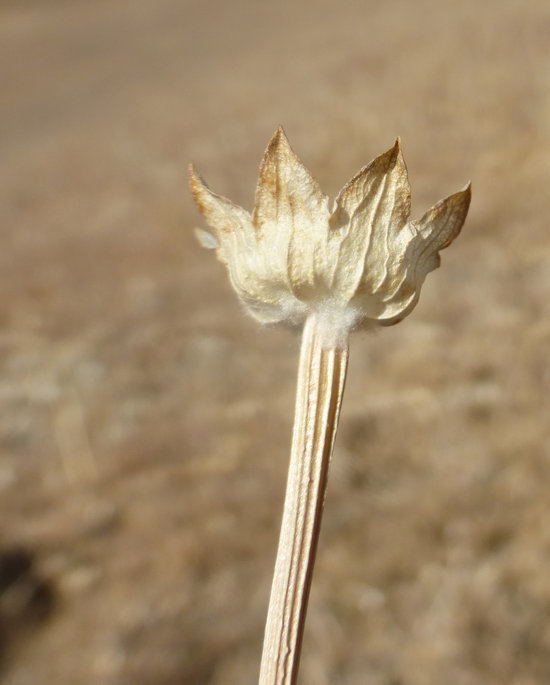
(321, 378)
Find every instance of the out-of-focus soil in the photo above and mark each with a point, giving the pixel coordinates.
(145, 421)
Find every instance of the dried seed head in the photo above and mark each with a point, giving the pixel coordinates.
(363, 263)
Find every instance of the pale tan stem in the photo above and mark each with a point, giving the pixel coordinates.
(321, 378)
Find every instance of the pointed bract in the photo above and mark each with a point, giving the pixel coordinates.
(364, 263)
(362, 189)
(291, 216)
(372, 209)
(226, 218)
(443, 222)
(286, 191)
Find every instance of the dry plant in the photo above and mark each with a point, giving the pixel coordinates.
(293, 260)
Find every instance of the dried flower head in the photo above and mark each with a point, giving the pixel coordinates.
(362, 263)
(294, 260)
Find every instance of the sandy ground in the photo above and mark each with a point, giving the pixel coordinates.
(145, 421)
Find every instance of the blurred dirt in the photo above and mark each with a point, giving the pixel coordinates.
(145, 422)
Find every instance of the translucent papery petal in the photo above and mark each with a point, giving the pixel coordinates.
(371, 211)
(260, 288)
(442, 223)
(415, 254)
(397, 290)
(291, 218)
(207, 239)
(229, 221)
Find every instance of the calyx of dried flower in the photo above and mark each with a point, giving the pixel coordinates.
(360, 264)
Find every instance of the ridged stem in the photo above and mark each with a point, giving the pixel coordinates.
(321, 378)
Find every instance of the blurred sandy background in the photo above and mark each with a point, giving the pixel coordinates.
(145, 422)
